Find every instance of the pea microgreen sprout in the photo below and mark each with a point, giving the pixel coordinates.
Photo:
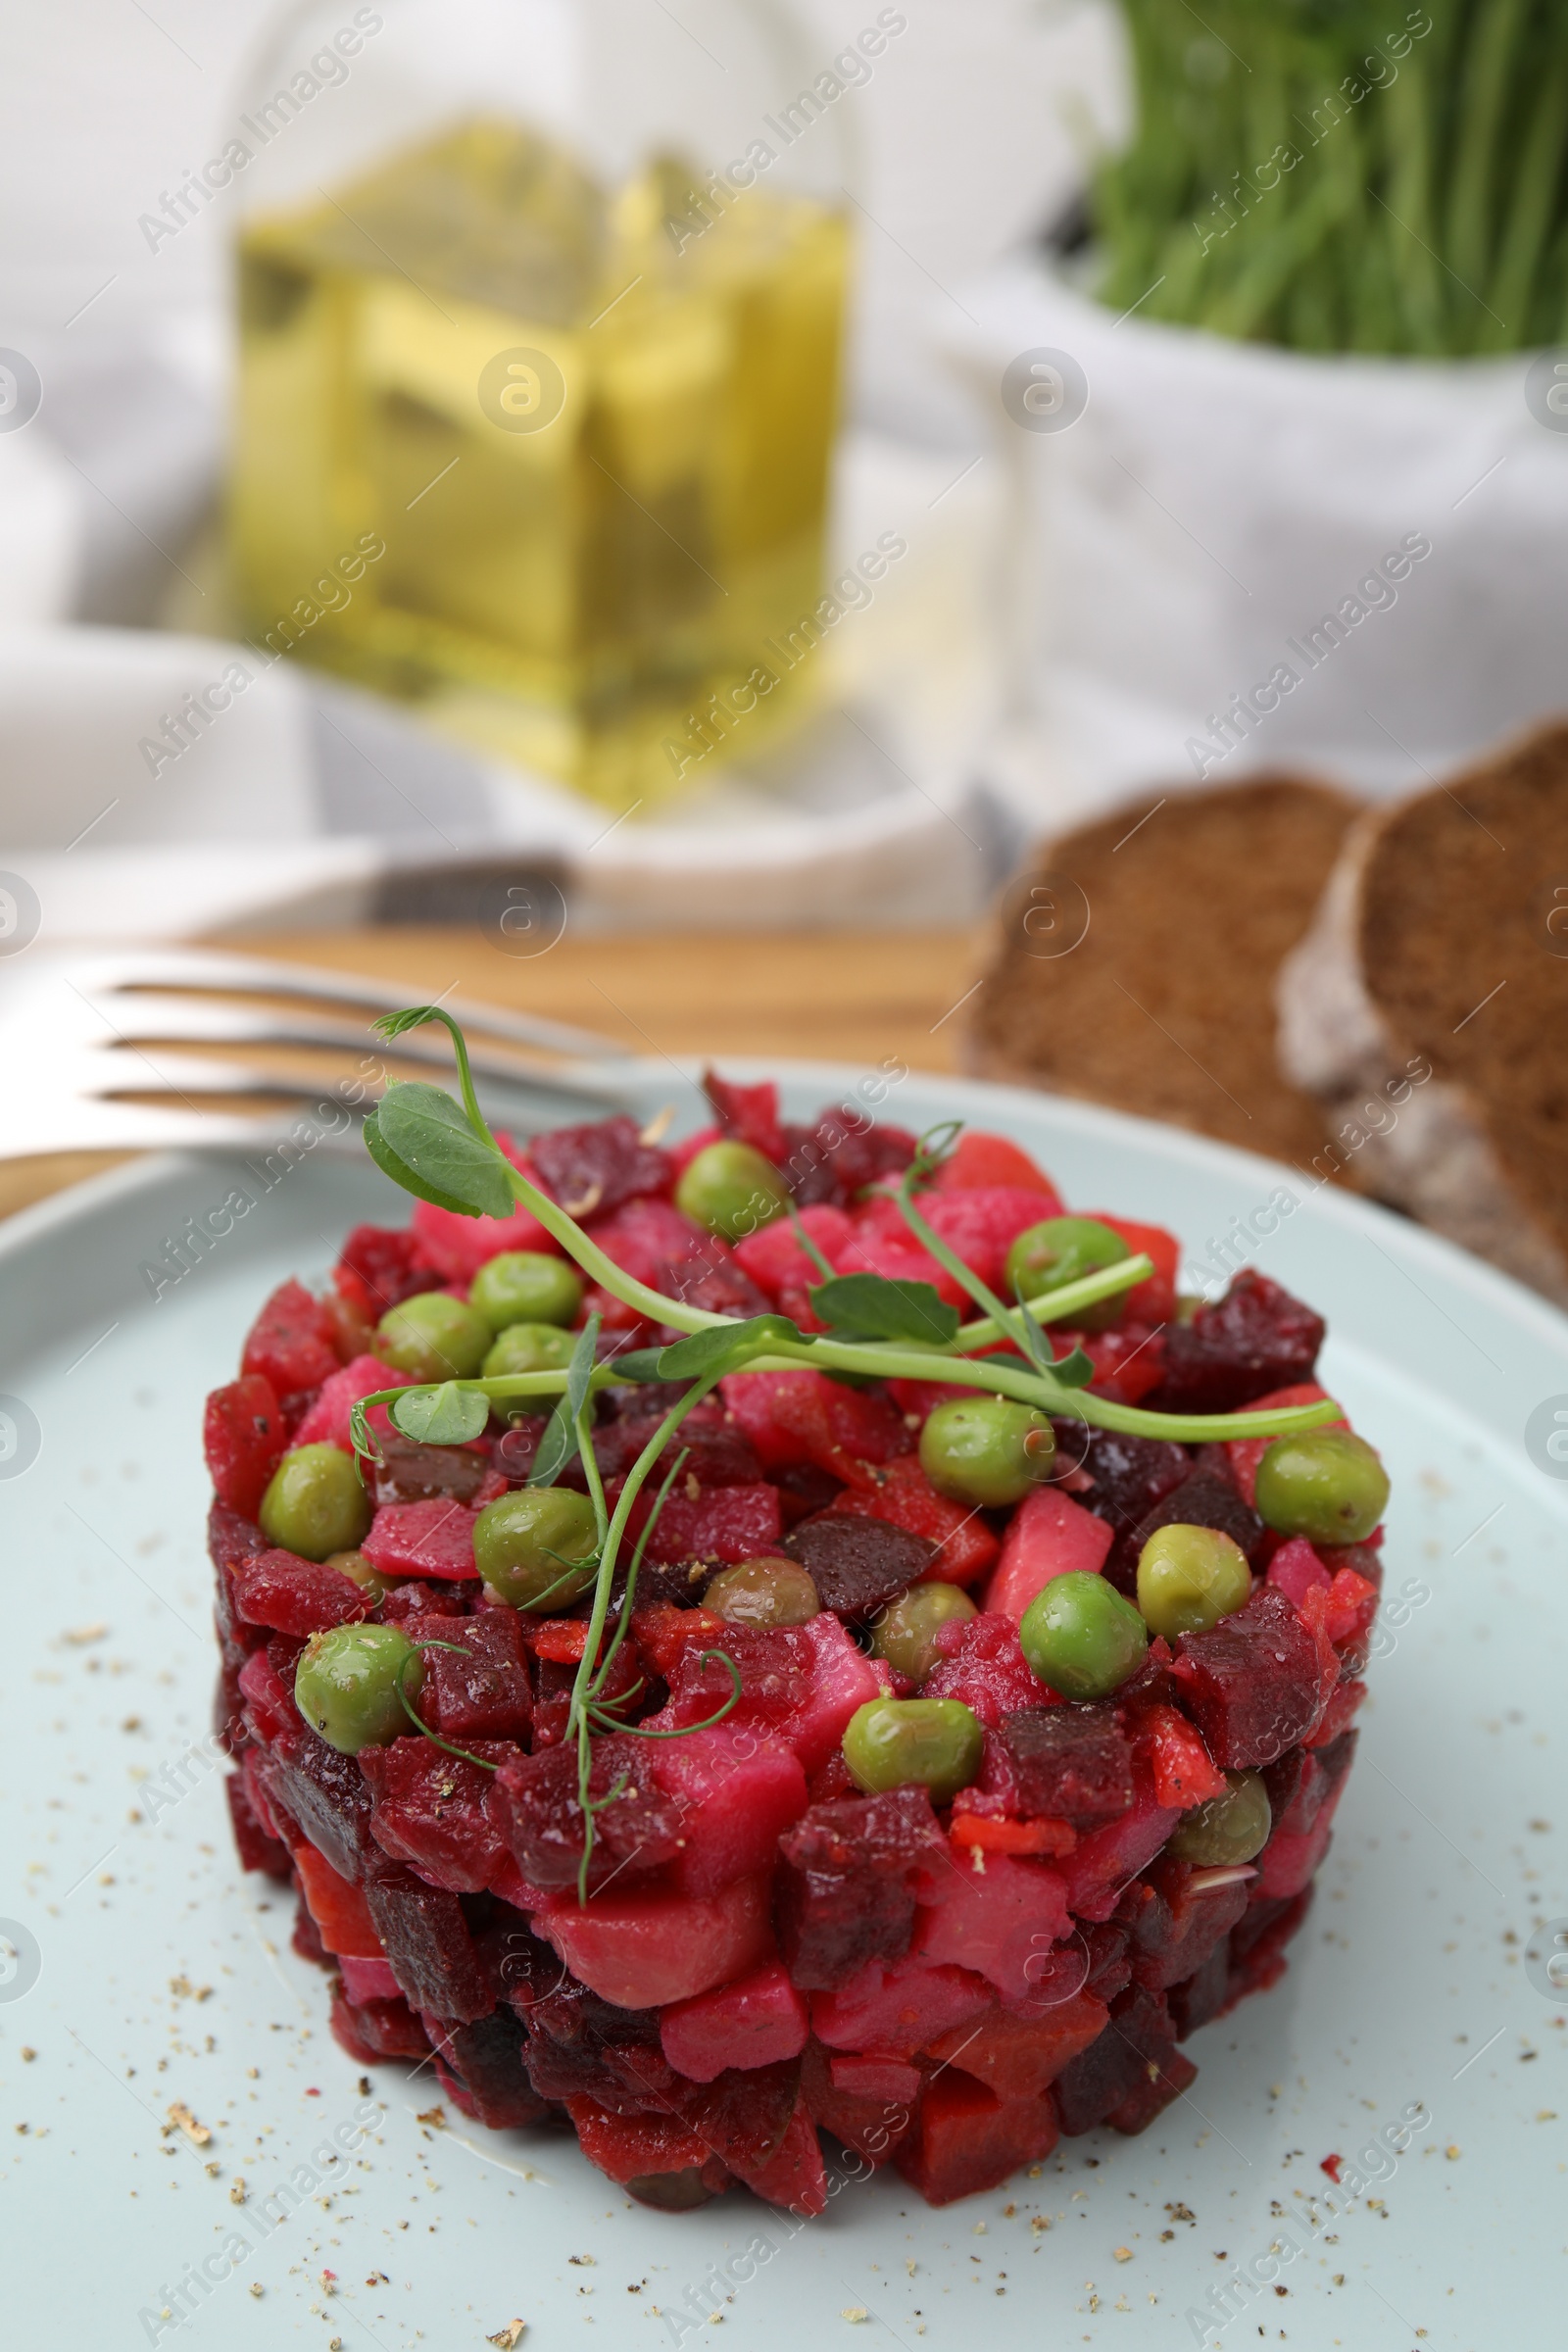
(442, 1150)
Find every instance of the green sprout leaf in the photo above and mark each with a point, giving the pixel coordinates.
(1073, 1371)
(444, 1417)
(387, 1160)
(559, 1444)
(705, 1354)
(431, 1138)
(870, 1306)
(638, 1363)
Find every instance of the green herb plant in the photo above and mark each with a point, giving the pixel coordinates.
(441, 1149)
(1336, 175)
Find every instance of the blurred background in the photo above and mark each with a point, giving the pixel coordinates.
(679, 502)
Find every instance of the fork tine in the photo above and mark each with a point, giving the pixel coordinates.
(146, 1019)
(256, 976)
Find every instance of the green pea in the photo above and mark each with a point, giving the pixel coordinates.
(353, 1565)
(762, 1592)
(987, 1450)
(346, 1685)
(889, 1743)
(536, 1549)
(1081, 1637)
(524, 1286)
(732, 1190)
(1063, 1249)
(905, 1633)
(1189, 1578)
(530, 1347)
(433, 1337)
(1227, 1828)
(1325, 1485)
(314, 1504)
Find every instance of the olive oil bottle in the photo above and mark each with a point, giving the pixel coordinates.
(591, 430)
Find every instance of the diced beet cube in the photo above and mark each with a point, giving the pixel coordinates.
(905, 1497)
(1121, 1477)
(1202, 1499)
(1203, 1994)
(796, 1417)
(269, 1707)
(981, 1663)
(1175, 1923)
(641, 1950)
(794, 2176)
(753, 2022)
(1287, 1863)
(1002, 1921)
(718, 1454)
(306, 1939)
(750, 1113)
(418, 1600)
(801, 1683)
(421, 1539)
(290, 1342)
(849, 1875)
(431, 1809)
(883, 1244)
(1071, 1763)
(593, 1168)
(1103, 1861)
(743, 2115)
(1164, 2079)
(733, 1795)
(656, 2159)
(897, 2006)
(381, 1265)
(713, 1279)
(230, 1536)
(337, 1906)
(1296, 1568)
(1258, 1941)
(873, 2125)
(486, 2055)
(775, 1260)
(981, 1222)
(327, 1421)
(857, 1564)
(871, 2074)
(426, 1940)
(1048, 1536)
(476, 1676)
(1138, 2036)
(979, 1158)
(966, 2139)
(367, 1980)
(370, 2031)
(256, 1847)
(719, 1523)
(1180, 1769)
(1019, 2057)
(535, 1807)
(244, 1438)
(325, 1793)
(845, 1151)
(1250, 1682)
(292, 1595)
(457, 1246)
(1254, 1339)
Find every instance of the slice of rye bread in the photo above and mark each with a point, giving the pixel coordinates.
(1164, 1005)
(1434, 984)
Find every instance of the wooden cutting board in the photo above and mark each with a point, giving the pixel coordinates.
(818, 996)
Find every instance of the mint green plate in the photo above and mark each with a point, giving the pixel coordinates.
(145, 1971)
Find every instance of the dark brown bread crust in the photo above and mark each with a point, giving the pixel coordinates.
(1164, 1005)
(1443, 939)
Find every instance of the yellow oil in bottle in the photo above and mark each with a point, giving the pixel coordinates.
(589, 433)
